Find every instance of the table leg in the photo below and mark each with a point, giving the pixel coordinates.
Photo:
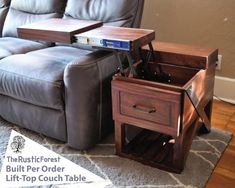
(119, 136)
(178, 155)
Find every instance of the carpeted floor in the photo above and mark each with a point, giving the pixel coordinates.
(101, 160)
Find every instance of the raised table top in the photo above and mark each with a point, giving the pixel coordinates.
(184, 55)
(120, 38)
(86, 32)
(56, 29)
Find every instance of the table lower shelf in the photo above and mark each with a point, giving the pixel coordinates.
(151, 145)
(151, 148)
(157, 149)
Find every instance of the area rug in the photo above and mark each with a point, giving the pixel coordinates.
(205, 152)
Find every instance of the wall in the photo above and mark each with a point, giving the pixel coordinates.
(209, 23)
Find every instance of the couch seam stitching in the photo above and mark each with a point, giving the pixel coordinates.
(30, 78)
(28, 101)
(73, 64)
(101, 107)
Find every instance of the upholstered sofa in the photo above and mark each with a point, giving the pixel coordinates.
(61, 91)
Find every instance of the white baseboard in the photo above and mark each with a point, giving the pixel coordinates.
(225, 88)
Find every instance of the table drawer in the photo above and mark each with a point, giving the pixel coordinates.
(147, 107)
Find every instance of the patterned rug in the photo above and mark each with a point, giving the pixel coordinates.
(205, 152)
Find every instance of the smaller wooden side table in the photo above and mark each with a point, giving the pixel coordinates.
(167, 114)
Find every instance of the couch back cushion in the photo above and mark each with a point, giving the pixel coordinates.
(125, 13)
(27, 11)
(4, 4)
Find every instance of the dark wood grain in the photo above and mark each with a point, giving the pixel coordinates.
(56, 30)
(223, 118)
(167, 104)
(184, 55)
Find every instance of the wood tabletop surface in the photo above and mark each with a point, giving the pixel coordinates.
(184, 55)
(136, 37)
(56, 29)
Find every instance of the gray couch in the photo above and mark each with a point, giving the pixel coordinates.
(62, 91)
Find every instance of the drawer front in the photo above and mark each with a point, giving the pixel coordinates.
(146, 108)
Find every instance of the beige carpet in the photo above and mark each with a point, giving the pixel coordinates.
(101, 160)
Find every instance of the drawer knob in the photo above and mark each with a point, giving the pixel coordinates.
(144, 109)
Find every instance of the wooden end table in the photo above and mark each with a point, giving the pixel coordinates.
(168, 114)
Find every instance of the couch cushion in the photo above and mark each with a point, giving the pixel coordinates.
(37, 77)
(27, 11)
(11, 45)
(112, 12)
(42, 120)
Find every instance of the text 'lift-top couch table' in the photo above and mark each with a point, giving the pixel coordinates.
(168, 94)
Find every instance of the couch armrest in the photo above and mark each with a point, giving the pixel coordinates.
(88, 98)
